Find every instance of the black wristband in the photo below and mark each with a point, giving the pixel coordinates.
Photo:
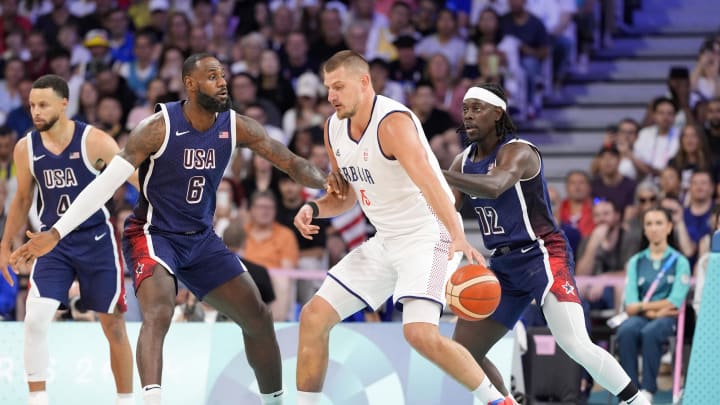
(315, 208)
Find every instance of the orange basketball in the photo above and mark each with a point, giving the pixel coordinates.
(473, 292)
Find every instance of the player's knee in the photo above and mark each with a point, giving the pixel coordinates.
(423, 337)
(158, 316)
(114, 328)
(314, 317)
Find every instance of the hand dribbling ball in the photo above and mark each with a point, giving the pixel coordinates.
(473, 292)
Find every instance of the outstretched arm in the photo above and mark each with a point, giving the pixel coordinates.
(19, 207)
(145, 139)
(515, 161)
(252, 135)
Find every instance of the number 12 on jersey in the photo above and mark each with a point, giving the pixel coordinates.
(489, 221)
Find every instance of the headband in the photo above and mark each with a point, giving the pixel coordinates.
(486, 96)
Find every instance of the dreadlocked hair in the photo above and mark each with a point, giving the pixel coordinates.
(504, 125)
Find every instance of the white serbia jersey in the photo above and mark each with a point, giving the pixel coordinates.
(386, 193)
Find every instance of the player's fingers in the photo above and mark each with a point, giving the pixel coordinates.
(8, 277)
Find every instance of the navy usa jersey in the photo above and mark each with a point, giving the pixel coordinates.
(178, 182)
(521, 214)
(62, 177)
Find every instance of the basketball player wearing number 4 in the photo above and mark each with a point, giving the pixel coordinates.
(377, 146)
(503, 176)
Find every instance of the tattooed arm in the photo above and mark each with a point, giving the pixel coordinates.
(252, 135)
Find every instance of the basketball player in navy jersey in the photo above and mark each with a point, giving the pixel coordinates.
(503, 176)
(378, 146)
(61, 157)
(182, 151)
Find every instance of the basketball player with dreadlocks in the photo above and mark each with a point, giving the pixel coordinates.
(503, 176)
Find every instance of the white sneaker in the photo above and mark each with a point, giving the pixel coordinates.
(647, 394)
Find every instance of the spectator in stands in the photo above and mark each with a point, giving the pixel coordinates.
(282, 23)
(408, 68)
(110, 83)
(496, 57)
(448, 95)
(712, 129)
(604, 252)
(87, 105)
(97, 43)
(15, 46)
(257, 112)
(356, 37)
(572, 234)
(170, 64)
(701, 266)
(380, 39)
(670, 184)
(693, 155)
(658, 143)
(156, 93)
(143, 67)
(705, 77)
(445, 41)
(60, 65)
(534, 49)
(362, 12)
(8, 137)
(658, 279)
(295, 58)
(271, 85)
(69, 38)
(424, 16)
(252, 46)
(120, 37)
(627, 133)
(159, 17)
(235, 238)
(226, 210)
(576, 208)
(8, 293)
(94, 19)
(379, 75)
(312, 253)
(304, 114)
(697, 211)
(198, 41)
(178, 32)
(19, 119)
(11, 21)
(9, 87)
(678, 84)
(220, 39)
(110, 118)
(274, 246)
(609, 183)
(244, 91)
(38, 65)
(557, 16)
(331, 39)
(437, 124)
(260, 177)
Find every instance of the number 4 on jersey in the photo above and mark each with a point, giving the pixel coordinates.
(363, 197)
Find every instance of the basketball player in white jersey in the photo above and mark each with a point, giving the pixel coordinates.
(376, 144)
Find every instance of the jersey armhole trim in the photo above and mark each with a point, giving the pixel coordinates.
(84, 152)
(382, 152)
(166, 118)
